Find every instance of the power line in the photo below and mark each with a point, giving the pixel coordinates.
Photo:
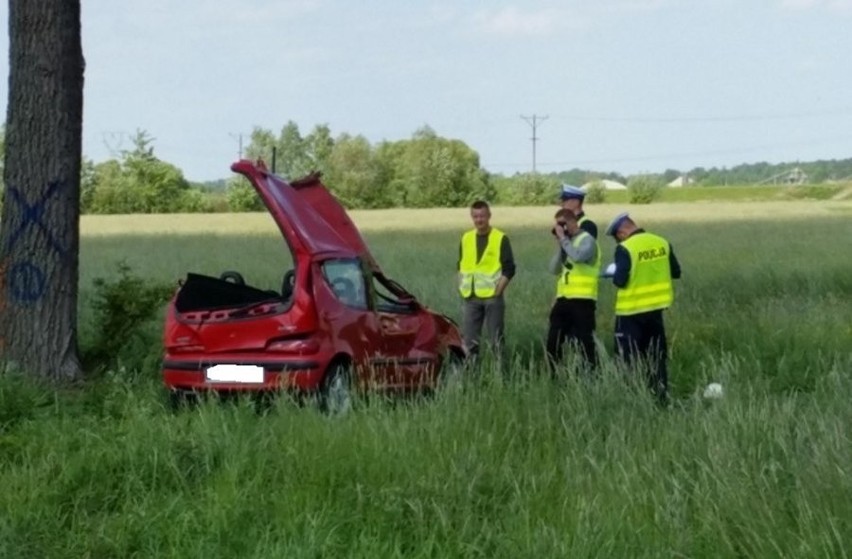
(532, 121)
(683, 154)
(723, 151)
(726, 118)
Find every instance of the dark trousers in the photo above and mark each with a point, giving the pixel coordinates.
(641, 342)
(483, 314)
(573, 321)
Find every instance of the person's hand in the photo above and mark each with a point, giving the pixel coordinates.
(559, 230)
(501, 286)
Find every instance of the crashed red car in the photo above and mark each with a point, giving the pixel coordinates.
(336, 325)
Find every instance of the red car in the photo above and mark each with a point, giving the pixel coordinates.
(337, 325)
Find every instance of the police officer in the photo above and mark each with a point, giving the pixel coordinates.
(576, 264)
(485, 267)
(645, 266)
(572, 199)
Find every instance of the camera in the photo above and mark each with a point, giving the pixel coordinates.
(561, 224)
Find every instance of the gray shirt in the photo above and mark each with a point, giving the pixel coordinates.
(583, 251)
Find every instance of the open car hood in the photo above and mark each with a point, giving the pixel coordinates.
(307, 213)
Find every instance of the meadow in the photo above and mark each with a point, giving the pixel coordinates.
(742, 193)
(507, 465)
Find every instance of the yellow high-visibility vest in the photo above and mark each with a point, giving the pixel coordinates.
(480, 278)
(579, 280)
(650, 285)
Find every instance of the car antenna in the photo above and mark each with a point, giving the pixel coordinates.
(274, 150)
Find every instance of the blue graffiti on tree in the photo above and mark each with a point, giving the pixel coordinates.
(32, 215)
(26, 281)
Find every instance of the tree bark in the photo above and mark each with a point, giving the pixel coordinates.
(40, 228)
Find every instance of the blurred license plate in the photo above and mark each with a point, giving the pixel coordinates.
(234, 373)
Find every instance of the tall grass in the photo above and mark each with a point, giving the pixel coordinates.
(496, 468)
(507, 464)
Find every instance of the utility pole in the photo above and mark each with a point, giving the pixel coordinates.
(238, 137)
(533, 121)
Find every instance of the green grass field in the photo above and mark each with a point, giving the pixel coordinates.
(739, 193)
(508, 465)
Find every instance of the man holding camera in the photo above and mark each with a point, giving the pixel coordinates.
(576, 263)
(572, 199)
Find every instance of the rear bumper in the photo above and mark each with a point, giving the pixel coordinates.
(279, 374)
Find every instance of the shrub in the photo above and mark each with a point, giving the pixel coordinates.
(527, 190)
(242, 197)
(20, 396)
(643, 189)
(192, 200)
(124, 309)
(596, 193)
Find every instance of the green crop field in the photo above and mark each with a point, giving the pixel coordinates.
(507, 465)
(739, 193)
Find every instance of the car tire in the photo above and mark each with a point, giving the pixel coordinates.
(336, 393)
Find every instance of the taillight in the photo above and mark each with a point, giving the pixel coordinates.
(294, 346)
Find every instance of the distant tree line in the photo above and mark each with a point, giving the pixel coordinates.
(425, 170)
(138, 182)
(753, 173)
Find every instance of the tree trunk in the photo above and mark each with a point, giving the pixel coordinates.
(40, 228)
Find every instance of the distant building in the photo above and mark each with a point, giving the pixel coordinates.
(607, 184)
(682, 180)
(796, 176)
(793, 176)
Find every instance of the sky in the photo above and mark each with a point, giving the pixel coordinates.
(630, 86)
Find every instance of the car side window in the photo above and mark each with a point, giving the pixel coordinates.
(387, 302)
(346, 280)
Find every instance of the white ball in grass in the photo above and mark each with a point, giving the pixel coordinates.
(714, 391)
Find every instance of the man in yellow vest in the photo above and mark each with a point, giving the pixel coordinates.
(485, 267)
(645, 266)
(577, 264)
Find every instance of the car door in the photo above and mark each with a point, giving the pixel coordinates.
(402, 324)
(344, 304)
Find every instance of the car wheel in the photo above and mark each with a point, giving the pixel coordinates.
(336, 394)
